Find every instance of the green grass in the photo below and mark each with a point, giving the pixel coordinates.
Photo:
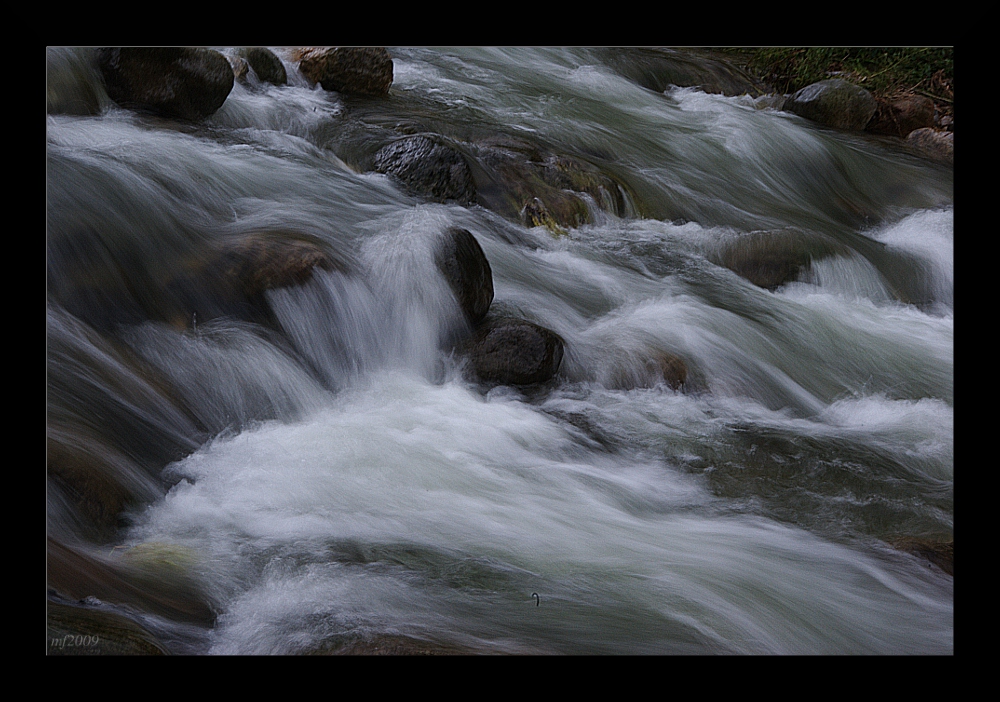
(885, 71)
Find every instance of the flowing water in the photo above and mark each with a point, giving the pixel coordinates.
(347, 482)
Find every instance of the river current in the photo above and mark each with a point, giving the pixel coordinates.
(347, 482)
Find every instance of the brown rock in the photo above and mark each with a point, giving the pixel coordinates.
(901, 116)
(266, 260)
(937, 145)
(84, 630)
(357, 70)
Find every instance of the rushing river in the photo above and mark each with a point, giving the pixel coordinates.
(346, 482)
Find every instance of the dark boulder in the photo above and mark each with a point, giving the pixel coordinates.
(265, 64)
(188, 83)
(901, 116)
(833, 103)
(510, 351)
(429, 167)
(354, 70)
(461, 260)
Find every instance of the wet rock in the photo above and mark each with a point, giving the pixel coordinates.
(934, 144)
(188, 83)
(265, 64)
(355, 70)
(463, 264)
(241, 69)
(79, 629)
(93, 483)
(107, 440)
(429, 167)
(833, 103)
(901, 116)
(510, 351)
(671, 368)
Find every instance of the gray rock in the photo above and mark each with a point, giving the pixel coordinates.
(770, 259)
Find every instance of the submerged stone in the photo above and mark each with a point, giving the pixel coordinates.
(901, 116)
(770, 259)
